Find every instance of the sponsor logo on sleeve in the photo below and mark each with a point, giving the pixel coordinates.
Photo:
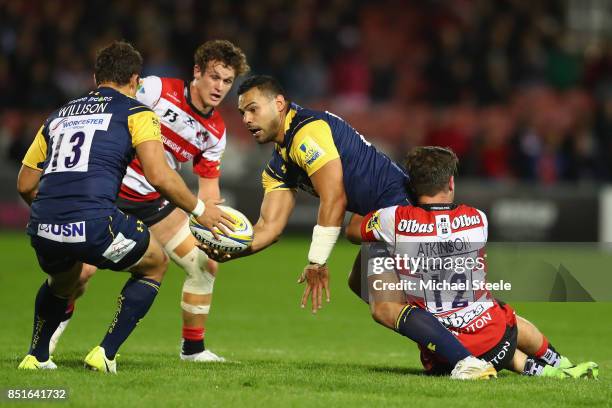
(311, 151)
(373, 222)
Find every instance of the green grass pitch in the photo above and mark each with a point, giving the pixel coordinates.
(279, 354)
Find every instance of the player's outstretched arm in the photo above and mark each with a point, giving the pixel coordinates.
(208, 188)
(170, 184)
(276, 208)
(329, 184)
(27, 183)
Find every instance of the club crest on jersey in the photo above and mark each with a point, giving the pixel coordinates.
(73, 232)
(373, 223)
(119, 248)
(311, 151)
(202, 137)
(443, 226)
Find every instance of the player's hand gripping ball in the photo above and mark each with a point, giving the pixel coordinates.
(230, 242)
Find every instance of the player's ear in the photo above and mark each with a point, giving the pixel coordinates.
(135, 78)
(451, 184)
(197, 72)
(281, 103)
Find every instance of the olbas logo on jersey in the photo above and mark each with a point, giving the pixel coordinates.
(414, 227)
(464, 221)
(310, 151)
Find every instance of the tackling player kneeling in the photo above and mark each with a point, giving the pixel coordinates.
(432, 257)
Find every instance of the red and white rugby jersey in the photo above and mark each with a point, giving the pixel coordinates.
(444, 236)
(187, 134)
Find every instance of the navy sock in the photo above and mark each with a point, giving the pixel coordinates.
(48, 313)
(422, 327)
(133, 304)
(192, 347)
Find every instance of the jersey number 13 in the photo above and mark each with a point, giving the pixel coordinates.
(70, 141)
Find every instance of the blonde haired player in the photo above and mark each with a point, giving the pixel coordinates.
(192, 131)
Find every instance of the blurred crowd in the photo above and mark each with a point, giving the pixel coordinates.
(506, 84)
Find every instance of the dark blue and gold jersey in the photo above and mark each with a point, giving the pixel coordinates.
(83, 149)
(312, 139)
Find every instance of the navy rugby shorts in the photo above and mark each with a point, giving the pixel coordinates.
(150, 212)
(114, 242)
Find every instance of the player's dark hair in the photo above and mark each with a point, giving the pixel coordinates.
(430, 169)
(222, 51)
(117, 63)
(264, 83)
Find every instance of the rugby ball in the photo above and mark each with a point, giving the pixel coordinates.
(230, 241)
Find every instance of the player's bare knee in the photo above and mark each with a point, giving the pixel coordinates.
(199, 269)
(198, 278)
(86, 273)
(65, 284)
(198, 284)
(153, 264)
(83, 282)
(161, 267)
(385, 313)
(63, 289)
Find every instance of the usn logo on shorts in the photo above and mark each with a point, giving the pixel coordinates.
(69, 233)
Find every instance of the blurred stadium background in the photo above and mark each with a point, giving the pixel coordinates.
(520, 89)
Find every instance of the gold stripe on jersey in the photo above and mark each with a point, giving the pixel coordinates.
(144, 126)
(271, 183)
(313, 147)
(290, 115)
(37, 152)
